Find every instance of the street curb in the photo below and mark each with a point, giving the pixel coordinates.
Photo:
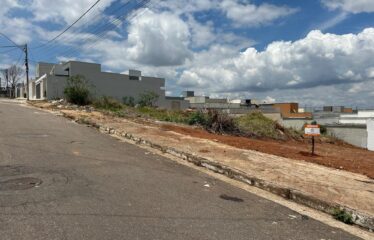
(296, 196)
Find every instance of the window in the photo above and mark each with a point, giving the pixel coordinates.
(136, 78)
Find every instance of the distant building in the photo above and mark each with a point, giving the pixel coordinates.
(51, 80)
(289, 110)
(360, 117)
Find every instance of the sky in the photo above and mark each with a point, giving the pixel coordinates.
(315, 52)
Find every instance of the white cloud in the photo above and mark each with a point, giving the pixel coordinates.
(317, 60)
(353, 6)
(159, 40)
(185, 6)
(202, 34)
(253, 15)
(65, 10)
(332, 22)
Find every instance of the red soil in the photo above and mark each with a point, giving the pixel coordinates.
(339, 156)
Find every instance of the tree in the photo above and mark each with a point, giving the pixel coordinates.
(4, 73)
(12, 76)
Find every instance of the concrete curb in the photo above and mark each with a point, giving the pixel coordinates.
(299, 197)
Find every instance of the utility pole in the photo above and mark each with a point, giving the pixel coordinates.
(27, 71)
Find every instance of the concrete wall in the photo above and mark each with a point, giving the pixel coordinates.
(294, 123)
(370, 132)
(218, 106)
(55, 87)
(175, 104)
(43, 68)
(117, 85)
(103, 83)
(355, 135)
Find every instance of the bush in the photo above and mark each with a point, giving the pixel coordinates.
(197, 118)
(257, 125)
(128, 101)
(108, 103)
(220, 123)
(342, 215)
(148, 99)
(77, 90)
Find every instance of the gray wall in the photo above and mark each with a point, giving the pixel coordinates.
(108, 84)
(43, 68)
(299, 123)
(294, 123)
(55, 87)
(355, 135)
(116, 85)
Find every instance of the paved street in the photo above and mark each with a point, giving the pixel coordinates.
(60, 180)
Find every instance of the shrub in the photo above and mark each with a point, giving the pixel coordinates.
(128, 101)
(77, 90)
(148, 99)
(108, 103)
(257, 125)
(342, 215)
(220, 123)
(197, 118)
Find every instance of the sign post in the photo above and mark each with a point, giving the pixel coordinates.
(312, 131)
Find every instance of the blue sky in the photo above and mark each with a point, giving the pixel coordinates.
(313, 51)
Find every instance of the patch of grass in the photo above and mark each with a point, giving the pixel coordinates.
(164, 115)
(198, 118)
(342, 215)
(108, 103)
(257, 125)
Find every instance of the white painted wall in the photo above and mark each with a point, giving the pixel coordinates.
(359, 118)
(370, 129)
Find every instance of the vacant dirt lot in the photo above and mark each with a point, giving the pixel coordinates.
(339, 156)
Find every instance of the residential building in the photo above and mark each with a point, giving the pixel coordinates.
(360, 117)
(51, 80)
(289, 110)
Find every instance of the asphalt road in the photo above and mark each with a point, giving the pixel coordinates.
(60, 180)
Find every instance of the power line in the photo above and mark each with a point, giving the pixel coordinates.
(70, 26)
(9, 50)
(10, 40)
(101, 30)
(100, 33)
(95, 30)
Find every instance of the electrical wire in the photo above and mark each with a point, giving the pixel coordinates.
(96, 30)
(101, 30)
(70, 26)
(103, 33)
(10, 40)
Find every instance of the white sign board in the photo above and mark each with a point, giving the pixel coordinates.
(370, 129)
(312, 130)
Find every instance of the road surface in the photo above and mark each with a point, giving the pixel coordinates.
(60, 180)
